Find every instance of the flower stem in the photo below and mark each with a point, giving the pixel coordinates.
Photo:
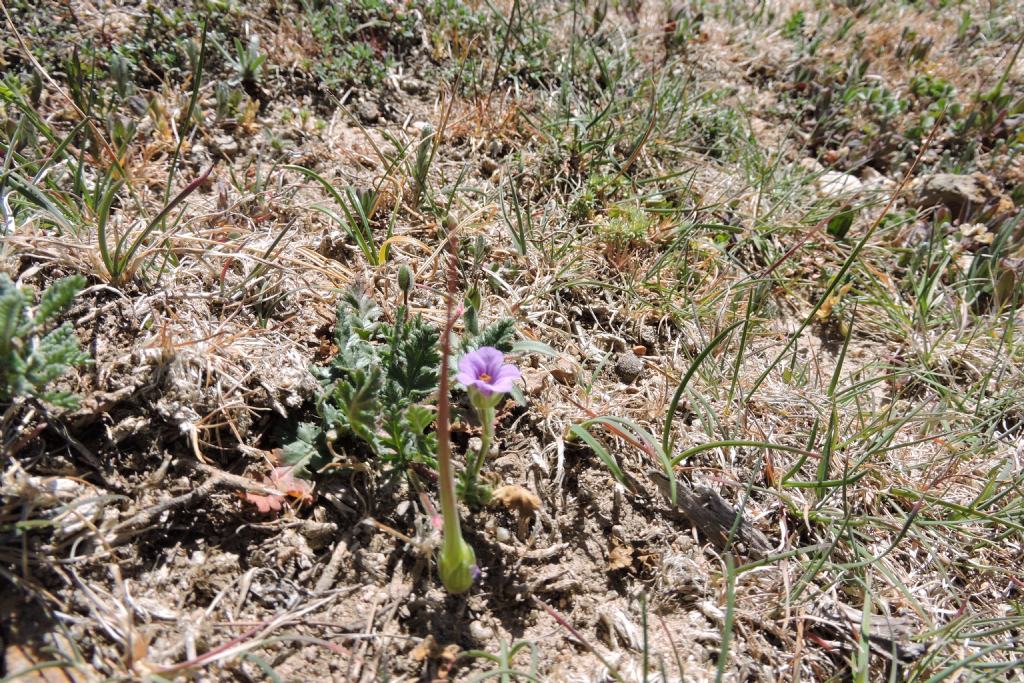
(457, 562)
(446, 482)
(486, 415)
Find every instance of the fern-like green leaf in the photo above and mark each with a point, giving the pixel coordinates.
(397, 443)
(501, 335)
(357, 325)
(54, 355)
(356, 403)
(57, 298)
(406, 439)
(61, 399)
(12, 307)
(357, 315)
(414, 360)
(420, 418)
(28, 361)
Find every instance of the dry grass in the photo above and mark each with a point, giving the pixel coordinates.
(863, 413)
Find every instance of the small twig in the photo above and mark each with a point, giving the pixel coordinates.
(612, 670)
(255, 636)
(129, 528)
(330, 573)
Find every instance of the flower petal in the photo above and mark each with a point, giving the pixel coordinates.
(508, 371)
(490, 359)
(504, 385)
(471, 365)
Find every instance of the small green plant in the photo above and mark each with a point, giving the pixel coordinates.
(32, 352)
(421, 163)
(228, 101)
(993, 105)
(936, 97)
(358, 208)
(247, 61)
(121, 73)
(376, 387)
(373, 389)
(120, 253)
(377, 390)
(504, 661)
(356, 42)
(520, 222)
(627, 228)
(794, 26)
(626, 225)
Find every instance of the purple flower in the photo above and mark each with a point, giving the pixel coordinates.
(485, 371)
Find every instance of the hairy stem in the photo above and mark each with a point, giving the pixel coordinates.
(457, 562)
(486, 415)
(452, 528)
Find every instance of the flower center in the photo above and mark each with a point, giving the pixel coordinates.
(485, 377)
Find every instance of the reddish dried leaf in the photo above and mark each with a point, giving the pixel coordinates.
(284, 480)
(285, 484)
(264, 503)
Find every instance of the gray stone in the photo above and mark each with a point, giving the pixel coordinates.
(836, 184)
(479, 631)
(226, 146)
(959, 193)
(367, 111)
(628, 367)
(414, 86)
(563, 370)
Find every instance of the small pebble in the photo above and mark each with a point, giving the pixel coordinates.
(628, 367)
(367, 111)
(479, 631)
(563, 370)
(225, 146)
(533, 380)
(414, 86)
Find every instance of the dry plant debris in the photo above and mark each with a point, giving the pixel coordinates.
(759, 265)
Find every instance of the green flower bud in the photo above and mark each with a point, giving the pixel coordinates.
(473, 299)
(457, 565)
(405, 279)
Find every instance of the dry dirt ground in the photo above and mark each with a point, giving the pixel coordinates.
(830, 187)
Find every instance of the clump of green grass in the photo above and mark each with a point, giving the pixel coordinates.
(357, 43)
